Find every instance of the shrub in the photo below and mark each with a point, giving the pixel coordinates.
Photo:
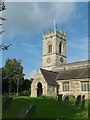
(25, 93)
(43, 96)
(49, 97)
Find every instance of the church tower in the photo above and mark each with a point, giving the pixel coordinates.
(54, 49)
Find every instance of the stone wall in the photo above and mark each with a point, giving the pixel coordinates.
(74, 65)
(74, 87)
(54, 39)
(52, 91)
(38, 78)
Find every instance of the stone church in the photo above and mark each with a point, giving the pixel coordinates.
(55, 75)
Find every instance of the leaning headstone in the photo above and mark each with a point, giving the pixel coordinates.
(27, 112)
(7, 103)
(4, 100)
(78, 100)
(66, 100)
(83, 102)
(5, 97)
(30, 111)
(60, 99)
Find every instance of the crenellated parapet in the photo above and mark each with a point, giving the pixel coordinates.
(54, 33)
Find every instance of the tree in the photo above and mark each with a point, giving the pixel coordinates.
(14, 73)
(25, 88)
(5, 82)
(26, 84)
(2, 8)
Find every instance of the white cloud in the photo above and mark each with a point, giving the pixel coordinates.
(47, 0)
(32, 49)
(30, 17)
(31, 75)
(80, 50)
(81, 44)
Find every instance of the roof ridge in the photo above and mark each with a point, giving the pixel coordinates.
(48, 70)
(78, 68)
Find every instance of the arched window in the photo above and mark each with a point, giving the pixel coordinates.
(66, 87)
(63, 87)
(50, 48)
(84, 86)
(88, 87)
(60, 47)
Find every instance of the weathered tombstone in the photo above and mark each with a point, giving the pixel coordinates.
(60, 99)
(5, 97)
(27, 112)
(83, 102)
(66, 100)
(30, 111)
(78, 100)
(7, 103)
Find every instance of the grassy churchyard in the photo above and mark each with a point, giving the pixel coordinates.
(45, 108)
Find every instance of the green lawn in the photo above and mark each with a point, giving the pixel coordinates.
(45, 108)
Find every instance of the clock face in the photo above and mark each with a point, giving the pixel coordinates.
(61, 59)
(48, 60)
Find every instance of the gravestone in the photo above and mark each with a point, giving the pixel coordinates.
(5, 97)
(60, 99)
(27, 112)
(78, 100)
(7, 103)
(4, 100)
(30, 111)
(66, 100)
(83, 102)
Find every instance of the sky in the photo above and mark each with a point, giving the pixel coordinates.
(26, 22)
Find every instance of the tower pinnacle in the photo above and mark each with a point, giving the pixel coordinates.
(54, 26)
(61, 29)
(65, 32)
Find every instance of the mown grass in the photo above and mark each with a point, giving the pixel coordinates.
(45, 108)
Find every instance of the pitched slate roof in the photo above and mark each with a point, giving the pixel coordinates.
(50, 76)
(74, 73)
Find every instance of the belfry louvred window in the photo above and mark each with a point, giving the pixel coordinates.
(50, 48)
(60, 47)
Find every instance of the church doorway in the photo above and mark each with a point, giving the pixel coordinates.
(39, 89)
